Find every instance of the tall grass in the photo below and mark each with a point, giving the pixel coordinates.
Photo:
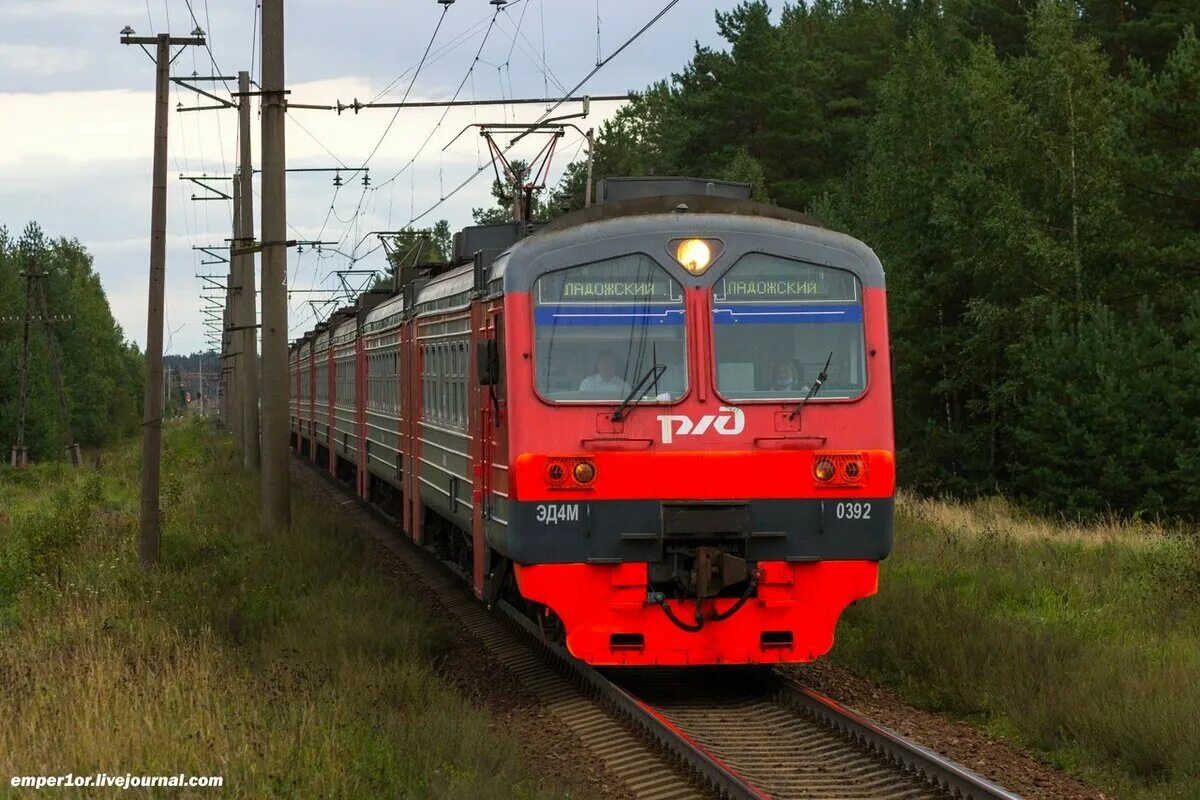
(1080, 642)
(289, 666)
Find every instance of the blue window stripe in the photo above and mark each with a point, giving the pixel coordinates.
(746, 314)
(609, 315)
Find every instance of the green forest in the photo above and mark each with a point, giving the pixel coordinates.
(103, 374)
(1031, 183)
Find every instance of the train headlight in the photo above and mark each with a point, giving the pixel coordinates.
(584, 472)
(694, 255)
(823, 470)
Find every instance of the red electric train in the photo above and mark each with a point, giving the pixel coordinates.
(664, 422)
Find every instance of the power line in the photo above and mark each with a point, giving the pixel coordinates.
(416, 72)
(600, 65)
(254, 35)
(320, 144)
(207, 46)
(438, 54)
(436, 127)
(441, 119)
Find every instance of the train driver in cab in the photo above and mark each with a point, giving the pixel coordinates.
(786, 377)
(605, 380)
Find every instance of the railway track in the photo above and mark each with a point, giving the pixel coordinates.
(716, 732)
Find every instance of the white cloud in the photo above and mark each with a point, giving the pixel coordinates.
(41, 60)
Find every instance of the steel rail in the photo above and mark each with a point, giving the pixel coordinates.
(954, 778)
(719, 775)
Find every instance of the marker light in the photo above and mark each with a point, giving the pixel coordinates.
(584, 472)
(823, 470)
(694, 255)
(843, 469)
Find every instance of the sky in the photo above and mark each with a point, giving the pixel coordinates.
(77, 123)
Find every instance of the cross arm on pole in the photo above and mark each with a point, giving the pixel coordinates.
(224, 103)
(200, 180)
(171, 40)
(212, 251)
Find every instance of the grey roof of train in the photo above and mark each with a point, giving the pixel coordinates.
(647, 222)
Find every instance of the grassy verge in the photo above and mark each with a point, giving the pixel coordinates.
(1082, 643)
(289, 667)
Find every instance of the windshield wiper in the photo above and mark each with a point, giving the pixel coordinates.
(656, 371)
(816, 387)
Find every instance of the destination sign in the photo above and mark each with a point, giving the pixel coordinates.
(627, 280)
(773, 289)
(573, 290)
(779, 281)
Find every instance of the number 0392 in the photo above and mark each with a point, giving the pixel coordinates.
(853, 511)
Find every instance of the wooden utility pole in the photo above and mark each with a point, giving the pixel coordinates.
(74, 457)
(276, 490)
(20, 453)
(152, 422)
(243, 268)
(36, 307)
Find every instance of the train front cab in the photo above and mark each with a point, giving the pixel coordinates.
(724, 518)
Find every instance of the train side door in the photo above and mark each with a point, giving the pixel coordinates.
(312, 404)
(487, 421)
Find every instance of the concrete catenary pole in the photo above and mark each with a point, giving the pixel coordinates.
(244, 266)
(226, 323)
(233, 301)
(148, 533)
(276, 490)
(587, 190)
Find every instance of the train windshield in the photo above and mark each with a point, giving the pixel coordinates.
(776, 322)
(599, 328)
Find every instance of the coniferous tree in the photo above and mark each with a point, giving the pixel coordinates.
(1160, 176)
(102, 373)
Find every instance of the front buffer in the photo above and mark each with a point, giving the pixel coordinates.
(611, 621)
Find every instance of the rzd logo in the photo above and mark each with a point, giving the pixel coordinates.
(729, 424)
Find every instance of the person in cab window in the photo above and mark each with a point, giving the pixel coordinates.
(605, 380)
(786, 377)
